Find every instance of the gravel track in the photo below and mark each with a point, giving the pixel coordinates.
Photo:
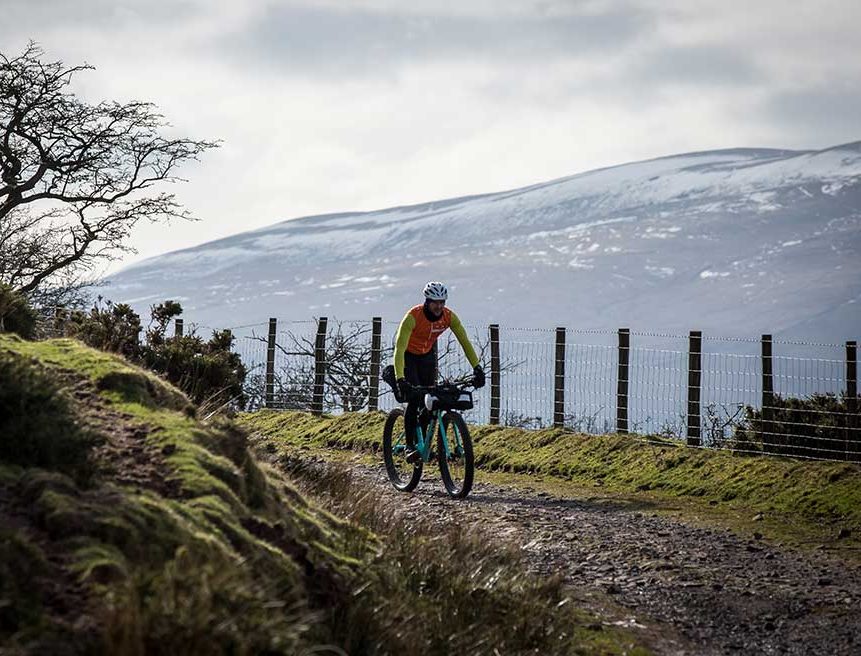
(689, 589)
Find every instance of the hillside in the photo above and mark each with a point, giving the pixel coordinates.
(676, 243)
(129, 525)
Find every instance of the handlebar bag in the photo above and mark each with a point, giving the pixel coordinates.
(449, 399)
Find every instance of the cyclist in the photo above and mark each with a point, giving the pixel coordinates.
(416, 355)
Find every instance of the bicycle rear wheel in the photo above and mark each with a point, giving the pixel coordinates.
(456, 468)
(403, 475)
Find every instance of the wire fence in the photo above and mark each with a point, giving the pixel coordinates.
(749, 395)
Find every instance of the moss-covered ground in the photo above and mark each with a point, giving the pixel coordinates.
(130, 526)
(796, 501)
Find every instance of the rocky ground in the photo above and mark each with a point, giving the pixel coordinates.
(689, 589)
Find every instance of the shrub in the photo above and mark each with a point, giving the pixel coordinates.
(16, 315)
(821, 426)
(160, 315)
(112, 328)
(208, 371)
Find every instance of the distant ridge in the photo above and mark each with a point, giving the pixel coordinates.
(655, 243)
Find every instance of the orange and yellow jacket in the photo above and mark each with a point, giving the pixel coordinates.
(418, 335)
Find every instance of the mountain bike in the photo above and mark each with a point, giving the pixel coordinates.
(453, 445)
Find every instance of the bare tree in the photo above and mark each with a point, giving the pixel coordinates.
(75, 178)
(348, 368)
(719, 423)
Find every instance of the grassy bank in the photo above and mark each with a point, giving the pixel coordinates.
(130, 526)
(793, 497)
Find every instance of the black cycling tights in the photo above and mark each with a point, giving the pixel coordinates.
(418, 370)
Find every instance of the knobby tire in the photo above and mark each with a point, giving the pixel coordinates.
(457, 487)
(403, 475)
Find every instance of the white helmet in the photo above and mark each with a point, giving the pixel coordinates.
(436, 291)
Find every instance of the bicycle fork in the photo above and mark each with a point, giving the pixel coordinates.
(458, 447)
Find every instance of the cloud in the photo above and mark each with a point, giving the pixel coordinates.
(324, 40)
(43, 15)
(699, 65)
(824, 114)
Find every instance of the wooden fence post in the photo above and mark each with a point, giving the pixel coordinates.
(559, 380)
(59, 327)
(853, 443)
(374, 383)
(622, 384)
(695, 371)
(495, 378)
(319, 366)
(178, 328)
(768, 437)
(269, 392)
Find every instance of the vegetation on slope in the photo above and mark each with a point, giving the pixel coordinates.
(131, 527)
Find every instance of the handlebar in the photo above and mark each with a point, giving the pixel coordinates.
(461, 383)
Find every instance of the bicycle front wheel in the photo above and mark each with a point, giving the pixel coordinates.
(455, 457)
(403, 475)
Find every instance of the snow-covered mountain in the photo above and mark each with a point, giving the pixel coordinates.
(731, 242)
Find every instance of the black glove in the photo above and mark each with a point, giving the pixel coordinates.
(404, 389)
(478, 376)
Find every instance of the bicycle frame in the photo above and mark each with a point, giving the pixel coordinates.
(453, 452)
(424, 442)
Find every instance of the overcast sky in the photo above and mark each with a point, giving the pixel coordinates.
(327, 106)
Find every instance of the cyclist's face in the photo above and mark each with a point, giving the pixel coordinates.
(436, 306)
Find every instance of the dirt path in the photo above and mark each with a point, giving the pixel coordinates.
(703, 590)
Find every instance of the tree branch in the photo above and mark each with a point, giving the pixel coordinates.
(61, 157)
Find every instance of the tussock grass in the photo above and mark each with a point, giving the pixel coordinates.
(441, 587)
